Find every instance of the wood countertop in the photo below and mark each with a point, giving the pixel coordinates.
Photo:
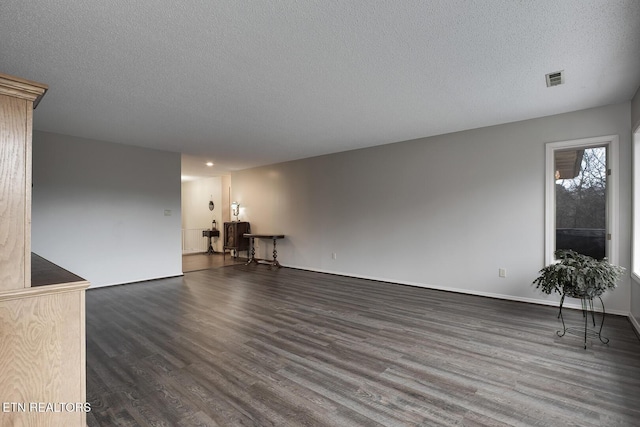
(44, 272)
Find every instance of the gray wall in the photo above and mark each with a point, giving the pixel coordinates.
(444, 212)
(99, 209)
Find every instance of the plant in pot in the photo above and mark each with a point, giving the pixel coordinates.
(579, 276)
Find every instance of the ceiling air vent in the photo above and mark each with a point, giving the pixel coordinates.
(555, 79)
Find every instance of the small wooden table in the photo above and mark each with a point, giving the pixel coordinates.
(210, 234)
(270, 262)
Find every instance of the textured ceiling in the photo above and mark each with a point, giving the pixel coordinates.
(247, 83)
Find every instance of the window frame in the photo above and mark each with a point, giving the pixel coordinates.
(611, 142)
(635, 202)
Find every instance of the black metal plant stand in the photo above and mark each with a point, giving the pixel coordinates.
(587, 307)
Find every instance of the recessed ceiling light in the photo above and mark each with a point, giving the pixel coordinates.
(209, 164)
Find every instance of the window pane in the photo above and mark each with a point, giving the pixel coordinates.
(581, 200)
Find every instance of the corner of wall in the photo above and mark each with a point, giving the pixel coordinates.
(634, 312)
(635, 323)
(635, 111)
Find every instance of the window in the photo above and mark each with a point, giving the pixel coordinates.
(581, 197)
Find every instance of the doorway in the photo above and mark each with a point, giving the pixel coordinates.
(205, 206)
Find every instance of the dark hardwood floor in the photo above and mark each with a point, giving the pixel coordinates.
(248, 346)
(200, 261)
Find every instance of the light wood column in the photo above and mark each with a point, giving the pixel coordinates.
(42, 328)
(18, 98)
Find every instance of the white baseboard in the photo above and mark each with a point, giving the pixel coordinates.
(577, 306)
(461, 291)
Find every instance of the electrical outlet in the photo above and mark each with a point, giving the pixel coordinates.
(502, 272)
(334, 255)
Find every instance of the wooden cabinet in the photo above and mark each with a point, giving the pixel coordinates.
(233, 236)
(42, 325)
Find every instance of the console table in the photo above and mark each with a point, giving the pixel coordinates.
(270, 262)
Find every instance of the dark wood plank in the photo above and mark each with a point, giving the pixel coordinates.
(204, 261)
(241, 345)
(44, 272)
